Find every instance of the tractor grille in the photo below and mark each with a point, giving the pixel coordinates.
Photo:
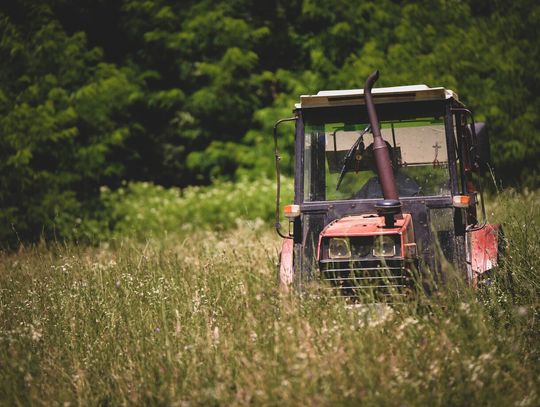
(371, 280)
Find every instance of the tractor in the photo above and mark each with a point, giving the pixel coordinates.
(387, 192)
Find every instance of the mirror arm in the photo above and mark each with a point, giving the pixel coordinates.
(473, 131)
(277, 158)
(475, 152)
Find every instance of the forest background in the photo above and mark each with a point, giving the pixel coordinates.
(99, 95)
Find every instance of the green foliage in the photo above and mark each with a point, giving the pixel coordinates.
(92, 93)
(58, 127)
(143, 210)
(199, 320)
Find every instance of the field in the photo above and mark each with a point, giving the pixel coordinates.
(196, 318)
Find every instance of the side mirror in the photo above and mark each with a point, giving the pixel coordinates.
(483, 151)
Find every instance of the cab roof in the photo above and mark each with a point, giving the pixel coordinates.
(348, 97)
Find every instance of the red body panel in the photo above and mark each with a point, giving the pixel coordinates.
(484, 249)
(286, 263)
(368, 225)
(364, 225)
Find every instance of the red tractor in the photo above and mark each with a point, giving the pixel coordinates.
(386, 192)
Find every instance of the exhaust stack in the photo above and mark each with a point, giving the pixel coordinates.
(391, 205)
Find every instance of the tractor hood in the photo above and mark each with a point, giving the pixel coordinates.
(364, 225)
(371, 225)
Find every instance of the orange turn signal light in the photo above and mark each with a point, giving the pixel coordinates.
(461, 201)
(291, 211)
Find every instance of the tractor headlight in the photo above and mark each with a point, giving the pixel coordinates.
(339, 248)
(384, 246)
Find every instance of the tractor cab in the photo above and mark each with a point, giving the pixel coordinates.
(386, 187)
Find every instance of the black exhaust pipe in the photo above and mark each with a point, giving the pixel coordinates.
(390, 206)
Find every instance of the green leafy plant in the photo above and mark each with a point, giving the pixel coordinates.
(143, 209)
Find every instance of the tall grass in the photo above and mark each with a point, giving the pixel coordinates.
(196, 318)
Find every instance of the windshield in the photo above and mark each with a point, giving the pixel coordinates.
(338, 159)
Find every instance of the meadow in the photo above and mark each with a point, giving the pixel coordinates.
(179, 308)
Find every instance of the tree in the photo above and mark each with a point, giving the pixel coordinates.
(60, 118)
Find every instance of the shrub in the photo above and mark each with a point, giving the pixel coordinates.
(143, 209)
